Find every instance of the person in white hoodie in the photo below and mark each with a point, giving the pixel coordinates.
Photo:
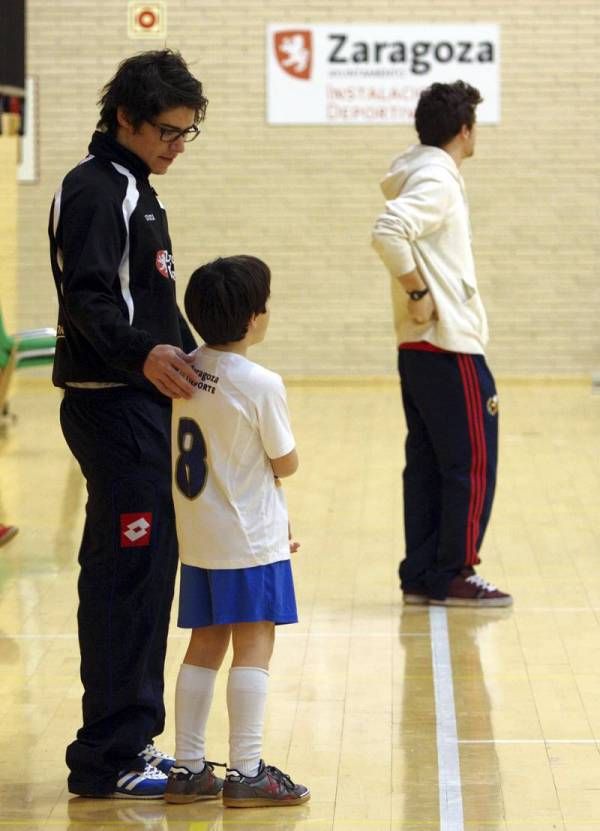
(448, 392)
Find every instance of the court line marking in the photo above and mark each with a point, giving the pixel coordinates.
(449, 781)
(325, 823)
(566, 609)
(529, 741)
(45, 636)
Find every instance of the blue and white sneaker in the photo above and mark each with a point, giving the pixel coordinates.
(149, 783)
(157, 758)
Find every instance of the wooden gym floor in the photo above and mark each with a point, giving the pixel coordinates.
(397, 718)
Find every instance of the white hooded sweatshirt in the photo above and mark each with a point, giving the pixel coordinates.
(425, 226)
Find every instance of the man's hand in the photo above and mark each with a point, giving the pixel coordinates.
(167, 367)
(421, 310)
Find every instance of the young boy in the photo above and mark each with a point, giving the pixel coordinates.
(232, 443)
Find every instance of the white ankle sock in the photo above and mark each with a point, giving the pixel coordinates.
(246, 700)
(193, 697)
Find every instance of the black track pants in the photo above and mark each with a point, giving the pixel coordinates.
(128, 561)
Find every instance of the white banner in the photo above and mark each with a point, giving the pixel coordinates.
(373, 74)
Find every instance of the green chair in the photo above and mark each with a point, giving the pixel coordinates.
(18, 351)
(35, 346)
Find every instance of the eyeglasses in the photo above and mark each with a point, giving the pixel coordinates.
(169, 134)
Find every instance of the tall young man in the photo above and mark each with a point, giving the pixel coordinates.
(121, 358)
(448, 392)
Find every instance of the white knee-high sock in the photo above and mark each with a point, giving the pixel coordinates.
(193, 697)
(246, 700)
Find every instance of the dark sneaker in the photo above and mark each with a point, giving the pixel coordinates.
(270, 787)
(149, 783)
(469, 589)
(186, 786)
(152, 756)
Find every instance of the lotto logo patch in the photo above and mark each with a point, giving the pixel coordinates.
(136, 530)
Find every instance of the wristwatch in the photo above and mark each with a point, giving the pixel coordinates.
(417, 294)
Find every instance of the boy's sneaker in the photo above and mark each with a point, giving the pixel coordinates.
(469, 589)
(152, 756)
(270, 787)
(149, 783)
(186, 786)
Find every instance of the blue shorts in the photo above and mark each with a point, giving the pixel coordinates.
(208, 597)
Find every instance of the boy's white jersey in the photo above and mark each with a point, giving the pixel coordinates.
(230, 514)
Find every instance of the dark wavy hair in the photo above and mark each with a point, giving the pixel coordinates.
(222, 296)
(443, 109)
(146, 85)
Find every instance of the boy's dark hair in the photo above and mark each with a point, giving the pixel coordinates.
(443, 109)
(222, 296)
(146, 85)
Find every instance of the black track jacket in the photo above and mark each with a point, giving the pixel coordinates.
(113, 268)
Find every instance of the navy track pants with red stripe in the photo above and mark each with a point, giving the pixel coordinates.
(451, 410)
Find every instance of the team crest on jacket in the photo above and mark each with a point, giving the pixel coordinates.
(164, 264)
(492, 405)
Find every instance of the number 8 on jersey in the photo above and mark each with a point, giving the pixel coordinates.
(191, 469)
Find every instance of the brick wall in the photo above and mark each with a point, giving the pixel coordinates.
(304, 198)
